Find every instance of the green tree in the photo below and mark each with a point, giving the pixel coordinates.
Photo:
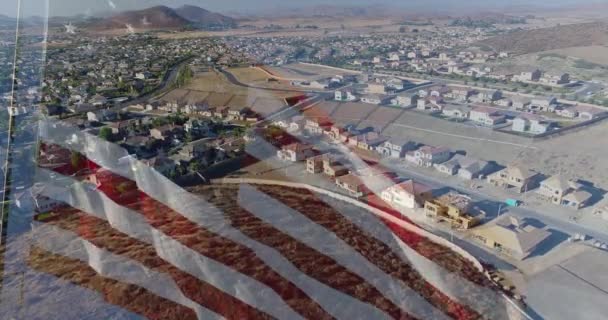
(105, 133)
(76, 159)
(194, 166)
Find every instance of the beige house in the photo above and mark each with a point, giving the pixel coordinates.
(352, 184)
(555, 188)
(511, 236)
(562, 191)
(519, 178)
(295, 152)
(332, 166)
(453, 208)
(315, 164)
(408, 194)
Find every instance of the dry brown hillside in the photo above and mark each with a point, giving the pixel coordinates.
(530, 41)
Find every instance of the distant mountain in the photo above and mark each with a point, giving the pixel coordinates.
(163, 17)
(159, 17)
(537, 40)
(329, 10)
(6, 21)
(205, 19)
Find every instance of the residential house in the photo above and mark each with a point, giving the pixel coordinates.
(333, 167)
(471, 168)
(139, 145)
(395, 84)
(314, 164)
(511, 236)
(194, 150)
(120, 127)
(461, 94)
(433, 103)
(395, 149)
(164, 132)
(102, 116)
(548, 104)
(588, 112)
(404, 100)
(316, 127)
(533, 75)
(197, 127)
(567, 112)
(449, 167)
(520, 103)
(556, 187)
(426, 156)
(344, 95)
(295, 152)
(516, 177)
(577, 199)
(486, 116)
(562, 191)
(530, 123)
(370, 140)
(352, 184)
(563, 78)
(456, 112)
(408, 194)
(453, 208)
(504, 102)
(487, 96)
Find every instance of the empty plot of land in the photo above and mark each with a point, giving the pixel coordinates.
(479, 142)
(291, 73)
(595, 54)
(249, 75)
(266, 106)
(384, 115)
(352, 111)
(241, 101)
(195, 96)
(258, 78)
(212, 82)
(320, 70)
(175, 95)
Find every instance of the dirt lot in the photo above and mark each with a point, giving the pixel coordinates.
(595, 54)
(217, 91)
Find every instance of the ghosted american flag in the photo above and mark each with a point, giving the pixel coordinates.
(143, 244)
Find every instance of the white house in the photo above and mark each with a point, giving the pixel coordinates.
(404, 100)
(544, 104)
(456, 112)
(530, 124)
(486, 116)
(426, 156)
(395, 149)
(344, 95)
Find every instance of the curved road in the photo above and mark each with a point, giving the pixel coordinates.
(233, 79)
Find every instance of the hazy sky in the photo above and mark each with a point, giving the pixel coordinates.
(72, 7)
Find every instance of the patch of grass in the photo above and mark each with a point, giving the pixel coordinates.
(584, 64)
(550, 55)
